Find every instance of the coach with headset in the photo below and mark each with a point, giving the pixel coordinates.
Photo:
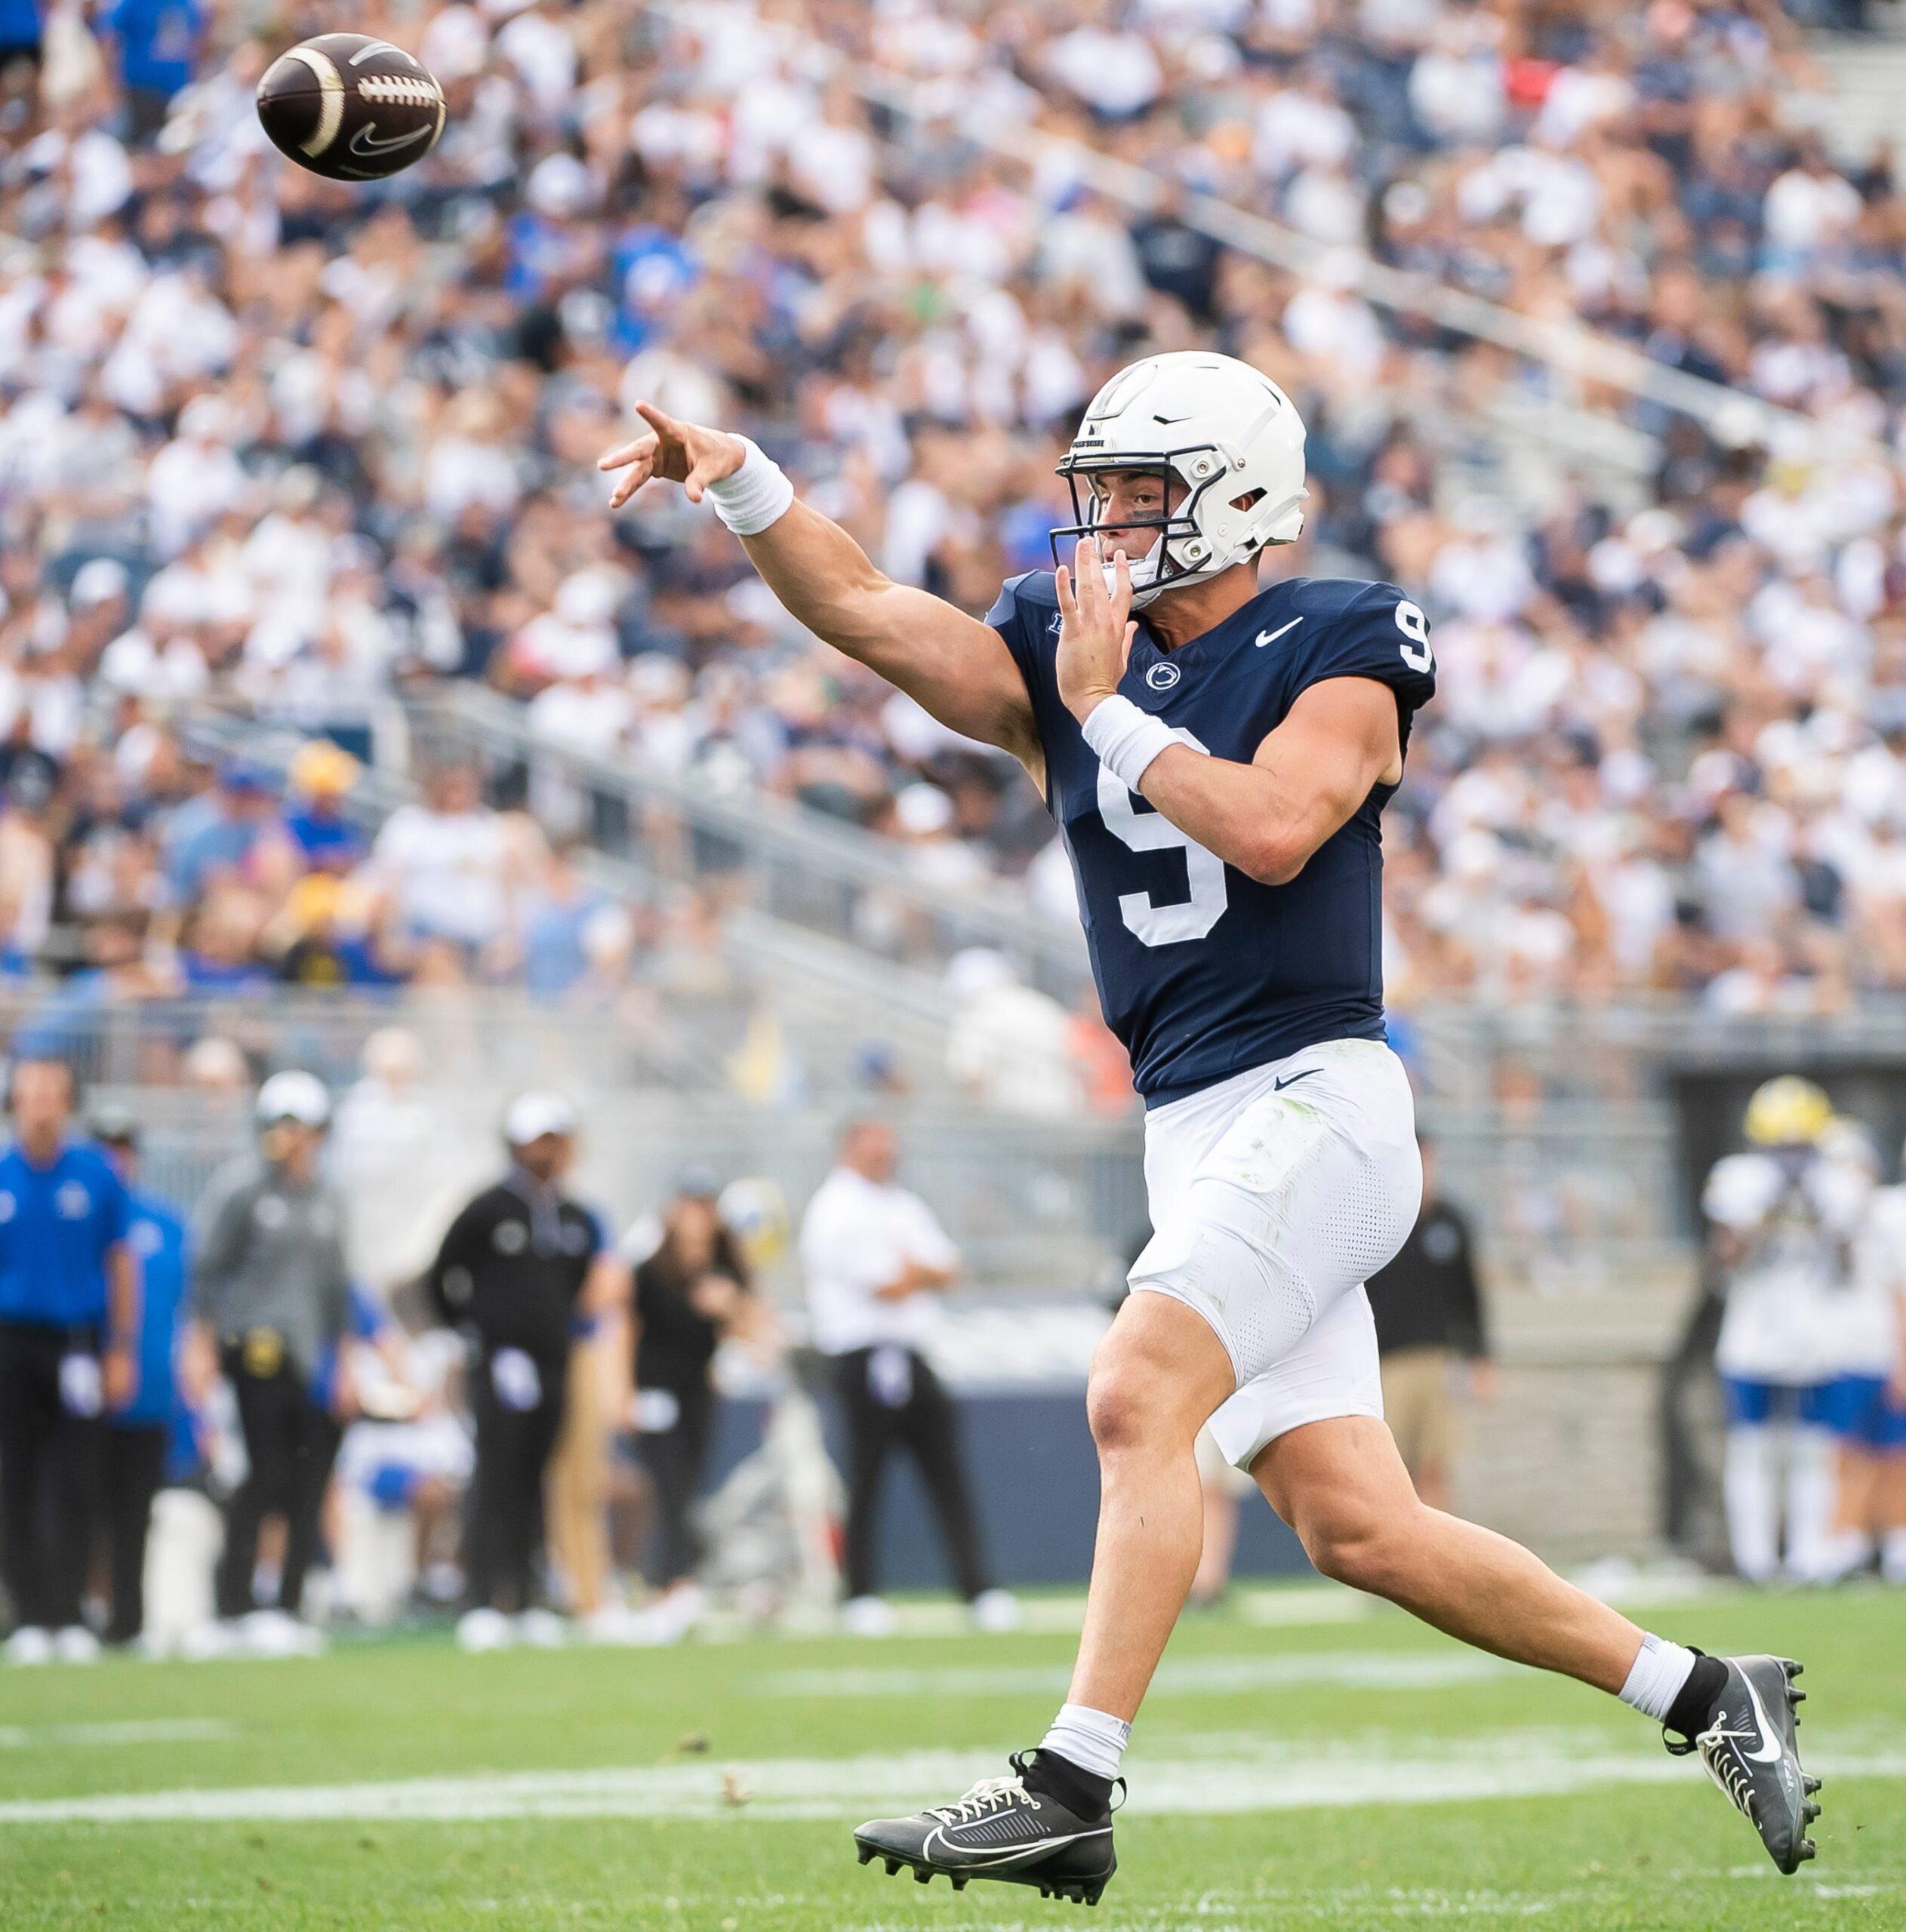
(68, 1318)
(271, 1292)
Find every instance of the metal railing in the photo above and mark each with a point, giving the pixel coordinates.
(777, 858)
(831, 995)
(1558, 1127)
(490, 1038)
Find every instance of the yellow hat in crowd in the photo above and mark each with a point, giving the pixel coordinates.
(1787, 1112)
(322, 768)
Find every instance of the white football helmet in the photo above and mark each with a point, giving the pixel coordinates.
(1225, 432)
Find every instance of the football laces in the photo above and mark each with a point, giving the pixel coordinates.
(399, 91)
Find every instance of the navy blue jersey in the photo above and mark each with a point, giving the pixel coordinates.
(1203, 971)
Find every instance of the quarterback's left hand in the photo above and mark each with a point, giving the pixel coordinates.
(1095, 629)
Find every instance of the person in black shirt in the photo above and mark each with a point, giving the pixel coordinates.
(1429, 1315)
(1176, 258)
(511, 1274)
(690, 1293)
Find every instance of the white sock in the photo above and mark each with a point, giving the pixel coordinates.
(1892, 1556)
(1846, 1552)
(1752, 1501)
(1091, 1740)
(1812, 1488)
(1656, 1680)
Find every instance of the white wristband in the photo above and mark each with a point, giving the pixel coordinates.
(757, 494)
(1126, 739)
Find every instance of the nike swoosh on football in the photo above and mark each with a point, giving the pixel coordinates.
(1770, 1749)
(1278, 1086)
(1271, 637)
(365, 142)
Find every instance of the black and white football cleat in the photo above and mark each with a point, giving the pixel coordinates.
(1751, 1752)
(1000, 1830)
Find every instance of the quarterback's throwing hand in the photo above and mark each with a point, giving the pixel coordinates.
(1095, 629)
(683, 453)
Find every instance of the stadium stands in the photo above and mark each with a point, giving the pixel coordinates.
(312, 449)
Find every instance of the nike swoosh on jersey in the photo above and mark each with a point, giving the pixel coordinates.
(364, 141)
(1278, 1086)
(1271, 637)
(1770, 1745)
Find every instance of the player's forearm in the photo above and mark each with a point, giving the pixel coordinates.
(1241, 813)
(955, 667)
(824, 579)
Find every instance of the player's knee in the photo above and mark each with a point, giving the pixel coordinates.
(1362, 1558)
(1116, 1405)
(1368, 1548)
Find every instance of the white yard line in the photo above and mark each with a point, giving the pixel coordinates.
(1360, 1670)
(850, 1788)
(151, 1731)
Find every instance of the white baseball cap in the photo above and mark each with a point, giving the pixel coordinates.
(294, 1095)
(531, 1116)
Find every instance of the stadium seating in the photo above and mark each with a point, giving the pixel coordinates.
(1668, 750)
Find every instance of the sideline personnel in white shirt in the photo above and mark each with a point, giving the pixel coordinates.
(873, 1255)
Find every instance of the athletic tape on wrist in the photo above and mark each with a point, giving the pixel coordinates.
(757, 494)
(1125, 739)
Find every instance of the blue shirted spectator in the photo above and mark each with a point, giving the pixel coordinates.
(216, 831)
(69, 1329)
(558, 925)
(159, 45)
(21, 24)
(138, 1436)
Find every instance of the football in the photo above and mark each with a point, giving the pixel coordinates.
(350, 106)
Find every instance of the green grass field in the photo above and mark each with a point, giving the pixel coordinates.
(1302, 1764)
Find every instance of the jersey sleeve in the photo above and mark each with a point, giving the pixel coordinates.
(1368, 630)
(1022, 624)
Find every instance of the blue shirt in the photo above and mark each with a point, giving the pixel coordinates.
(1203, 971)
(56, 1224)
(20, 23)
(331, 844)
(204, 837)
(158, 41)
(157, 1236)
(554, 957)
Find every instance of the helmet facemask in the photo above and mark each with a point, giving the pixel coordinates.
(1238, 469)
(1173, 529)
(1184, 550)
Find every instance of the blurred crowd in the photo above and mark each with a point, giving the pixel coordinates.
(311, 446)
